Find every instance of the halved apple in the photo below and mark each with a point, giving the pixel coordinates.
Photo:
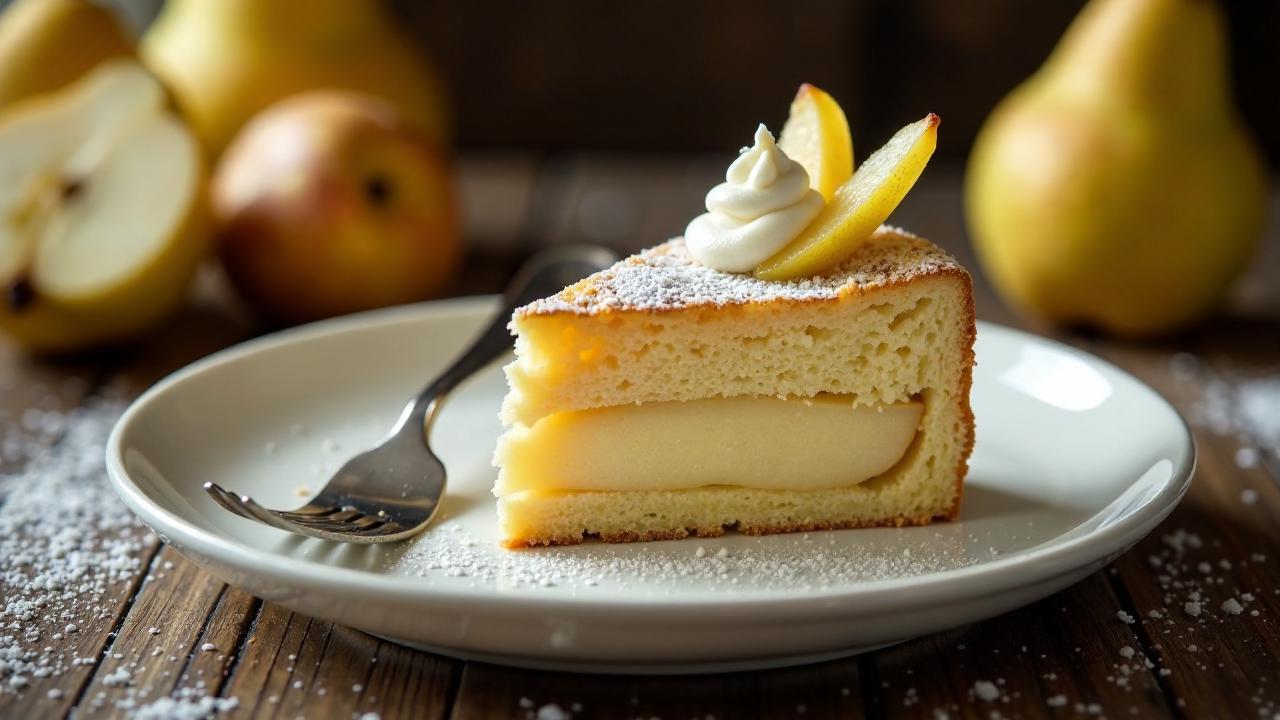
(102, 212)
(816, 135)
(858, 206)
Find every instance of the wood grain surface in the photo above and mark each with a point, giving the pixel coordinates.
(1119, 644)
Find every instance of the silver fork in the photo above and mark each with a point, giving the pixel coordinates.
(391, 492)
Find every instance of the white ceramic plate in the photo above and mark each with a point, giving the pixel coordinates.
(1075, 461)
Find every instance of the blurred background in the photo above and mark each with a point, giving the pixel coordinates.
(693, 76)
(573, 121)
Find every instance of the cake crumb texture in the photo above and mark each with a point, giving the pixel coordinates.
(895, 322)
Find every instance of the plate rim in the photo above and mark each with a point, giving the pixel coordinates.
(1024, 568)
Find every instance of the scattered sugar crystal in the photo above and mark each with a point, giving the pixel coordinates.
(551, 711)
(526, 703)
(1124, 617)
(1248, 408)
(66, 540)
(120, 676)
(153, 630)
(1231, 606)
(700, 552)
(986, 690)
(1249, 496)
(184, 707)
(1126, 652)
(208, 647)
(1057, 701)
(1246, 457)
(1191, 608)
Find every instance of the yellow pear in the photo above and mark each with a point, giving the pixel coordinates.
(46, 44)
(1117, 187)
(103, 217)
(226, 60)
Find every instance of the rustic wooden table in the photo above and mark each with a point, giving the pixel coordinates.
(1122, 643)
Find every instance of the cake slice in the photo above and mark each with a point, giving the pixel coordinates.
(660, 398)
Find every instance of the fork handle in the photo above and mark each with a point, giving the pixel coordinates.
(545, 273)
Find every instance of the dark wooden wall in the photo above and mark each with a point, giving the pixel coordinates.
(694, 75)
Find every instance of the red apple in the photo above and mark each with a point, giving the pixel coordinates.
(329, 203)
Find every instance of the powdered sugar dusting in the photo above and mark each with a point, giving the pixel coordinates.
(1245, 407)
(66, 542)
(802, 562)
(69, 550)
(666, 277)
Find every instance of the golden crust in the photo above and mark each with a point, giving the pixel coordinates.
(666, 278)
(962, 397)
(717, 531)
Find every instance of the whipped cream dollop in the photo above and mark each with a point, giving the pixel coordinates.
(764, 202)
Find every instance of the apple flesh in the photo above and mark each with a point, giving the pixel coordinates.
(330, 203)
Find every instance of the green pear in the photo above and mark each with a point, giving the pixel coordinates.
(227, 60)
(1117, 188)
(46, 44)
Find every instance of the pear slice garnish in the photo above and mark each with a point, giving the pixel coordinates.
(858, 206)
(816, 135)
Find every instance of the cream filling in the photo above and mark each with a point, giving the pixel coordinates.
(754, 442)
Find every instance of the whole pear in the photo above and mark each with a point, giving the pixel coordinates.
(1117, 188)
(329, 202)
(226, 60)
(46, 44)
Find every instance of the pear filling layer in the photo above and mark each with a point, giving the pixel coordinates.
(756, 442)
